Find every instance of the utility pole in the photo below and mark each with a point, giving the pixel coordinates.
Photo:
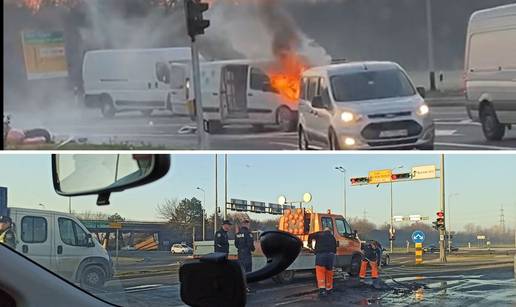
(225, 185)
(70, 204)
(391, 223)
(343, 170)
(430, 37)
(442, 230)
(502, 220)
(216, 195)
(203, 211)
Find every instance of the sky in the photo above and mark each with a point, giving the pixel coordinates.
(480, 184)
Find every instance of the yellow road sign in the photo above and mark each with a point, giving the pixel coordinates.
(115, 225)
(381, 176)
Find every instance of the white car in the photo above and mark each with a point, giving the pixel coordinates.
(363, 105)
(181, 249)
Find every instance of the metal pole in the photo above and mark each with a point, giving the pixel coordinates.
(430, 37)
(442, 232)
(225, 185)
(116, 247)
(392, 228)
(203, 225)
(345, 200)
(449, 224)
(198, 96)
(70, 205)
(216, 197)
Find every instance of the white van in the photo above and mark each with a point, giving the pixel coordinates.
(240, 92)
(128, 80)
(61, 243)
(490, 69)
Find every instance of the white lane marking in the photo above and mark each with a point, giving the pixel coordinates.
(446, 133)
(461, 123)
(474, 146)
(255, 136)
(119, 135)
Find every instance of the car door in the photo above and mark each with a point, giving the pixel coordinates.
(179, 89)
(234, 91)
(71, 246)
(322, 115)
(348, 243)
(262, 99)
(310, 113)
(35, 239)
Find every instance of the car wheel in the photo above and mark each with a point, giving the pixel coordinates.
(493, 130)
(333, 141)
(146, 113)
(302, 140)
(93, 277)
(284, 277)
(286, 119)
(354, 269)
(106, 106)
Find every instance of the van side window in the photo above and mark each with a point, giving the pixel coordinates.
(324, 93)
(327, 222)
(162, 72)
(71, 233)
(312, 88)
(33, 229)
(258, 79)
(341, 227)
(304, 83)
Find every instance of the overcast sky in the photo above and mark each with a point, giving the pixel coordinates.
(484, 182)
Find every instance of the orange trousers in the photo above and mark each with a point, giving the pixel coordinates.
(324, 277)
(363, 269)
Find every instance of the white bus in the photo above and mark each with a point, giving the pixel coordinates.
(490, 69)
(134, 79)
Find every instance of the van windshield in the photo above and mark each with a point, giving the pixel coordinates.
(368, 85)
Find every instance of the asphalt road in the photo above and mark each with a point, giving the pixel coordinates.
(469, 279)
(454, 130)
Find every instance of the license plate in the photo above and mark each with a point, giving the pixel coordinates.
(393, 133)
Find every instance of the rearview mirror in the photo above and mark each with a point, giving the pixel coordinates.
(317, 102)
(90, 174)
(421, 90)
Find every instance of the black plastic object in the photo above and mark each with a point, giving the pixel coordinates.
(281, 249)
(213, 281)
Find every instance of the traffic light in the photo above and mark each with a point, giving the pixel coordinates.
(194, 18)
(359, 180)
(402, 176)
(440, 220)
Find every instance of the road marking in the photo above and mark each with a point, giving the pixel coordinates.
(446, 133)
(255, 136)
(474, 146)
(464, 122)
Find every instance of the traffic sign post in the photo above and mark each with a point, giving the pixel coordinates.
(419, 253)
(418, 237)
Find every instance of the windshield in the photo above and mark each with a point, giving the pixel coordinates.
(369, 85)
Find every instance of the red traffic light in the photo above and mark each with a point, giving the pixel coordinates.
(394, 177)
(440, 214)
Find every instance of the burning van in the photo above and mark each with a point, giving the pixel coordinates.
(247, 92)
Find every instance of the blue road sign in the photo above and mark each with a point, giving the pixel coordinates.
(418, 236)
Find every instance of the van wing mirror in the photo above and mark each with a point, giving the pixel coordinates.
(422, 91)
(93, 174)
(317, 102)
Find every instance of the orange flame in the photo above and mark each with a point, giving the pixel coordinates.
(285, 76)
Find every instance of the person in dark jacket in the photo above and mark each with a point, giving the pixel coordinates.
(221, 238)
(7, 235)
(371, 254)
(325, 250)
(244, 242)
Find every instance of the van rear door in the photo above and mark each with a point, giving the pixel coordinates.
(35, 237)
(180, 91)
(233, 91)
(71, 246)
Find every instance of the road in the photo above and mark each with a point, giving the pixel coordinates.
(472, 278)
(454, 130)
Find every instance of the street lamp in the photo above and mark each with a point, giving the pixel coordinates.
(343, 170)
(391, 231)
(203, 213)
(449, 220)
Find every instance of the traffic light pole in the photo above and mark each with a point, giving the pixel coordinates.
(442, 230)
(198, 96)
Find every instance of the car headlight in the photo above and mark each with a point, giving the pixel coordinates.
(347, 117)
(423, 110)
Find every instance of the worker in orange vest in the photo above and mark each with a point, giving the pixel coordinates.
(371, 254)
(325, 250)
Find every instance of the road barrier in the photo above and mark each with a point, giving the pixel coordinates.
(419, 253)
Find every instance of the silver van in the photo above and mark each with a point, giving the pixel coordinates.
(363, 105)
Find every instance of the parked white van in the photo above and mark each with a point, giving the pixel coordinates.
(128, 80)
(61, 243)
(490, 69)
(240, 92)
